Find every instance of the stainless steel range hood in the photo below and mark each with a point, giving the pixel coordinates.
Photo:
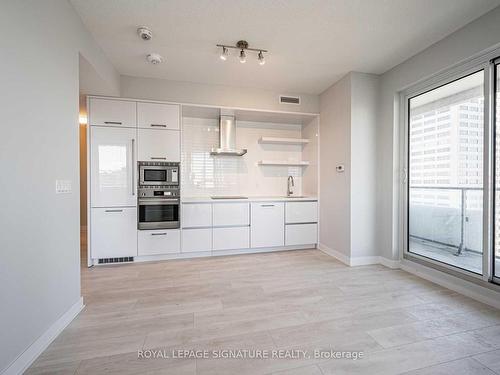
(227, 137)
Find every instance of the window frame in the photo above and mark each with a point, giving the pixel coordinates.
(485, 62)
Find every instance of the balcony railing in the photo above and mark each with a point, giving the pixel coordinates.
(447, 216)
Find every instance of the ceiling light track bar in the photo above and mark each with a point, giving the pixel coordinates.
(245, 48)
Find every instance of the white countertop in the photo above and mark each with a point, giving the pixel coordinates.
(250, 199)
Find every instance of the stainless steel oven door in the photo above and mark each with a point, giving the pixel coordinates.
(158, 213)
(158, 175)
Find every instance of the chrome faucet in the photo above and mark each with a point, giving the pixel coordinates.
(290, 184)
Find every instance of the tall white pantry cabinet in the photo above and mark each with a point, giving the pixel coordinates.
(123, 132)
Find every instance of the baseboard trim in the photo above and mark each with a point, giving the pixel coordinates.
(464, 287)
(389, 263)
(214, 253)
(31, 353)
(364, 261)
(359, 261)
(336, 254)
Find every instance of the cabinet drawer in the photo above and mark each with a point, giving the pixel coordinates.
(159, 145)
(110, 112)
(231, 238)
(301, 234)
(194, 240)
(301, 212)
(195, 215)
(231, 214)
(158, 116)
(113, 232)
(267, 224)
(161, 241)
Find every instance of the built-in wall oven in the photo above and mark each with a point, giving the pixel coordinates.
(158, 205)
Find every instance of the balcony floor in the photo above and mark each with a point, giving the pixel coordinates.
(468, 260)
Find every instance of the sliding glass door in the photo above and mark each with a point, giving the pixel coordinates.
(445, 169)
(496, 119)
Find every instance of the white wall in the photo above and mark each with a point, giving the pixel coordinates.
(348, 136)
(39, 230)
(335, 148)
(475, 37)
(218, 95)
(364, 106)
(310, 153)
(206, 175)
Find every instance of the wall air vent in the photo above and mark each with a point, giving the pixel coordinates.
(289, 99)
(116, 260)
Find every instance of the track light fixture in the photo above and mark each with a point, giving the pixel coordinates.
(242, 46)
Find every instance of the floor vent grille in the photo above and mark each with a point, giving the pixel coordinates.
(116, 260)
(289, 99)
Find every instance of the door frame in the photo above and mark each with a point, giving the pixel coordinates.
(485, 62)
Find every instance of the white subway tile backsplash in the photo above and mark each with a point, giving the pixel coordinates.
(206, 175)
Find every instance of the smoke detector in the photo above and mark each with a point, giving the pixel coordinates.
(154, 58)
(144, 33)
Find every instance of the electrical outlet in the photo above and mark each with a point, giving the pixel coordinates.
(63, 186)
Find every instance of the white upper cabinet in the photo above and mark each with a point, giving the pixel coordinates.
(111, 112)
(267, 224)
(195, 215)
(113, 167)
(231, 214)
(159, 145)
(158, 116)
(301, 212)
(114, 232)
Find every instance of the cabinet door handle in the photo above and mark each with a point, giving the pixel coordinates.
(113, 122)
(158, 158)
(133, 167)
(158, 125)
(113, 211)
(267, 205)
(159, 234)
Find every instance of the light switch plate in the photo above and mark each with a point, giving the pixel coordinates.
(63, 186)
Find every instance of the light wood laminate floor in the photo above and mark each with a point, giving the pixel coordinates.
(301, 300)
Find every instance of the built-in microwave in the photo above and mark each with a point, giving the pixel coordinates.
(158, 173)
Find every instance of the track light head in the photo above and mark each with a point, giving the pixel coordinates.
(261, 58)
(243, 56)
(224, 54)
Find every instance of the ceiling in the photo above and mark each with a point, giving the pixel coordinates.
(312, 43)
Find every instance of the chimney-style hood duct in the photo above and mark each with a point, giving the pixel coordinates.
(227, 137)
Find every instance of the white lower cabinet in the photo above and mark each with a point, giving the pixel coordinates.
(231, 214)
(301, 212)
(231, 238)
(267, 224)
(301, 234)
(195, 240)
(113, 232)
(159, 241)
(196, 215)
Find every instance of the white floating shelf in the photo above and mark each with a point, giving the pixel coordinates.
(284, 162)
(284, 141)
